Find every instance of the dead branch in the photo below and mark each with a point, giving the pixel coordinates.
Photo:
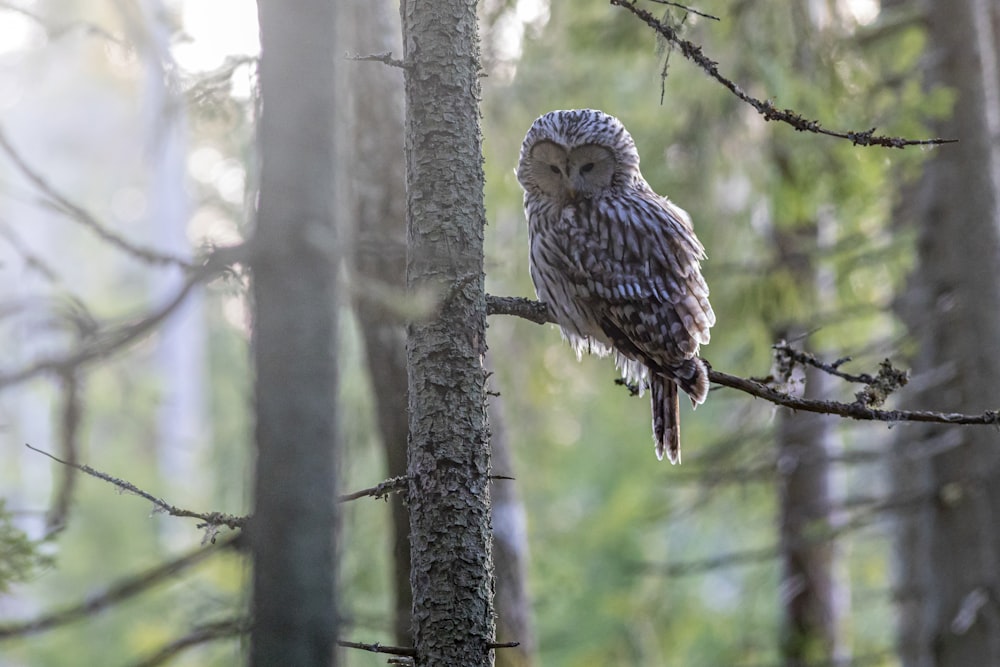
(537, 312)
(117, 592)
(765, 108)
(385, 58)
(201, 634)
(105, 343)
(380, 490)
(379, 648)
(80, 215)
(211, 520)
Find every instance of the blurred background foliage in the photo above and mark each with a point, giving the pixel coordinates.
(632, 562)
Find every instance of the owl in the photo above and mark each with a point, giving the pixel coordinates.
(618, 265)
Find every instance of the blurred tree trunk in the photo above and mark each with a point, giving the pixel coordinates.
(948, 545)
(449, 458)
(806, 443)
(295, 298)
(510, 552)
(378, 217)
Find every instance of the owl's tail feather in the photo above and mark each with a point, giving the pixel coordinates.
(666, 418)
(692, 376)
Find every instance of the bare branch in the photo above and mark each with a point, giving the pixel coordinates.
(210, 519)
(77, 213)
(121, 590)
(852, 410)
(380, 490)
(385, 58)
(687, 9)
(766, 109)
(537, 312)
(108, 342)
(201, 634)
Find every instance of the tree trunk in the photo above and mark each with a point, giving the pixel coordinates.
(378, 207)
(295, 293)
(449, 460)
(948, 545)
(808, 588)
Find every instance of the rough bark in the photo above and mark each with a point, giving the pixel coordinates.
(378, 216)
(449, 461)
(948, 544)
(295, 294)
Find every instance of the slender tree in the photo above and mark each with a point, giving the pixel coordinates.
(295, 297)
(449, 459)
(378, 217)
(949, 537)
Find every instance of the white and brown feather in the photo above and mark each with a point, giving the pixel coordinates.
(618, 265)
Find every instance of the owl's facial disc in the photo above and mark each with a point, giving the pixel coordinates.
(591, 169)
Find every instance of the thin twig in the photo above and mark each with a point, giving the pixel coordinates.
(689, 10)
(379, 648)
(694, 53)
(811, 360)
(84, 217)
(536, 311)
(122, 589)
(210, 519)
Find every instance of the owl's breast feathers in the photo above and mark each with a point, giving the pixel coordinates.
(630, 263)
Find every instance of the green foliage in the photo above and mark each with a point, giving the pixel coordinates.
(20, 557)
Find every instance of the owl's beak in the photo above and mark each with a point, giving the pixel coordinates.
(571, 191)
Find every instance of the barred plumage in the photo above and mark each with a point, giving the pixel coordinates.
(618, 265)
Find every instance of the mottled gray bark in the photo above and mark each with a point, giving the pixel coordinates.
(449, 460)
(948, 546)
(378, 216)
(295, 298)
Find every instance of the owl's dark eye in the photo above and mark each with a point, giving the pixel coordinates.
(555, 169)
(587, 168)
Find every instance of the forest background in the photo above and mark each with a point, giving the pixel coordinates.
(144, 116)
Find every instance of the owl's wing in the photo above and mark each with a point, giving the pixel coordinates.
(641, 261)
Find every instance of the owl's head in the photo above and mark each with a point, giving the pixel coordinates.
(576, 153)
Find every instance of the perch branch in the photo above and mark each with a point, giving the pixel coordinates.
(537, 312)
